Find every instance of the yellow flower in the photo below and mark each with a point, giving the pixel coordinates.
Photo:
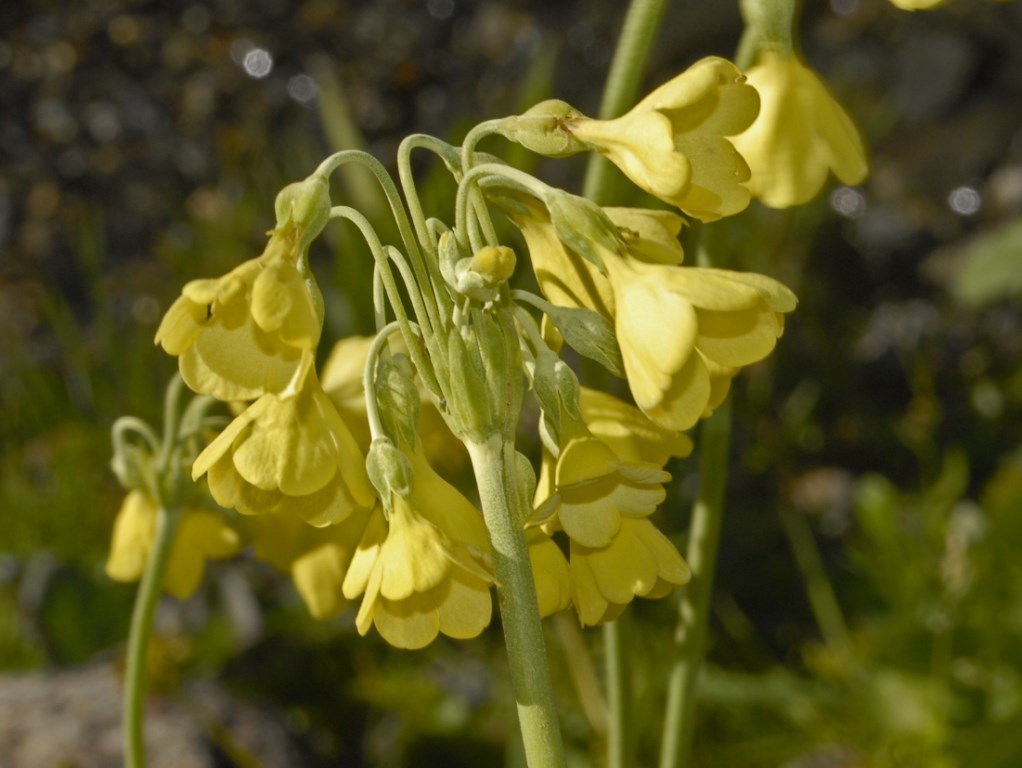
(423, 568)
(800, 136)
(638, 562)
(602, 503)
(316, 558)
(683, 332)
(291, 454)
(201, 535)
(672, 143)
(249, 332)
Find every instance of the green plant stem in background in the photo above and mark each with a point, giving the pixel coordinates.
(141, 630)
(640, 28)
(505, 509)
(822, 600)
(694, 608)
(620, 743)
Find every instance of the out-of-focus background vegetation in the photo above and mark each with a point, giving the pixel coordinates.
(868, 609)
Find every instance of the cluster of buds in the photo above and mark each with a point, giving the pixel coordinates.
(335, 472)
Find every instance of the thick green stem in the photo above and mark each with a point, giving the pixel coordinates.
(141, 630)
(623, 82)
(694, 608)
(505, 509)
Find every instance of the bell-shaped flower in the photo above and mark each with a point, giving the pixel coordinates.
(291, 454)
(316, 558)
(249, 332)
(638, 562)
(424, 566)
(683, 332)
(602, 503)
(673, 143)
(801, 135)
(201, 535)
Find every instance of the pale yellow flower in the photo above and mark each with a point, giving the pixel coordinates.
(683, 332)
(290, 454)
(801, 135)
(250, 332)
(602, 503)
(316, 558)
(638, 562)
(673, 143)
(423, 568)
(201, 535)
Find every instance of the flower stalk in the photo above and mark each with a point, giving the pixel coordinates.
(505, 509)
(141, 631)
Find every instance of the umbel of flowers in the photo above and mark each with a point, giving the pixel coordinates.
(338, 484)
(416, 550)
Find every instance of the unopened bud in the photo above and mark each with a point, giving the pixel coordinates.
(306, 204)
(543, 130)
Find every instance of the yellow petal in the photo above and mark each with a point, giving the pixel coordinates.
(467, 607)
(413, 558)
(132, 537)
(405, 623)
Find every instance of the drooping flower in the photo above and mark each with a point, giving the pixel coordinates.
(201, 535)
(251, 331)
(316, 558)
(291, 454)
(684, 331)
(673, 143)
(602, 504)
(423, 567)
(800, 136)
(638, 562)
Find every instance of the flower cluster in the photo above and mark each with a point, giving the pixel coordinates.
(334, 472)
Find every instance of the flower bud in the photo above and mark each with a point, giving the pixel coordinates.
(398, 398)
(541, 129)
(389, 469)
(484, 360)
(306, 204)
